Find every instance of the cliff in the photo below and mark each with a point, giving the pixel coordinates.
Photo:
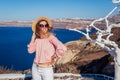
(84, 56)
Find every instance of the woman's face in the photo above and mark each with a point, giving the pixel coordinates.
(43, 25)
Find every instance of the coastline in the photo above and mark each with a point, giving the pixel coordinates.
(5, 25)
(14, 26)
(65, 23)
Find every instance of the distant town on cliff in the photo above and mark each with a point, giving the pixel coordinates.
(62, 23)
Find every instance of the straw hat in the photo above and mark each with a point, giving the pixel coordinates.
(39, 19)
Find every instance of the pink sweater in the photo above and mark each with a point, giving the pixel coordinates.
(46, 48)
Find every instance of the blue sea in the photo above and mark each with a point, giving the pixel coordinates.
(13, 45)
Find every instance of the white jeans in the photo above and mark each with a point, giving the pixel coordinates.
(42, 73)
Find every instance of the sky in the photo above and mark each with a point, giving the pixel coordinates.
(31, 9)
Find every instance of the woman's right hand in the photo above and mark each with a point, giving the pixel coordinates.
(33, 38)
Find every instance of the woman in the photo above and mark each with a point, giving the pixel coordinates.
(47, 48)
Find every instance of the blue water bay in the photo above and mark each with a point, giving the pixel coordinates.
(13, 45)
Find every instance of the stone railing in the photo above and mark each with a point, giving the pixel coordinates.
(57, 76)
